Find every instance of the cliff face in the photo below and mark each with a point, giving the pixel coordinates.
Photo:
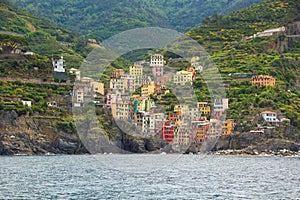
(29, 135)
(34, 135)
(270, 140)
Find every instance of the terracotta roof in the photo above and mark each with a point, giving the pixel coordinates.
(268, 112)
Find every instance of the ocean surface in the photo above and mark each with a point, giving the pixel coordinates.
(149, 177)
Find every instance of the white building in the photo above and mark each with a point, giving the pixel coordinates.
(220, 105)
(157, 60)
(27, 103)
(270, 32)
(58, 65)
(270, 116)
(76, 72)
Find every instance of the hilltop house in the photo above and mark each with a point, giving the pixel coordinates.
(270, 32)
(58, 65)
(270, 116)
(267, 33)
(26, 103)
(263, 80)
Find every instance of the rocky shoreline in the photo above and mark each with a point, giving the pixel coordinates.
(283, 152)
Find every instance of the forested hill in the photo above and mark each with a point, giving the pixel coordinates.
(42, 37)
(104, 18)
(240, 56)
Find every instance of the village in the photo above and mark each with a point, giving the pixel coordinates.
(130, 99)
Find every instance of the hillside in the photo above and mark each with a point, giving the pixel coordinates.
(102, 19)
(39, 36)
(42, 128)
(237, 56)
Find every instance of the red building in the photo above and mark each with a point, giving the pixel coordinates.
(168, 131)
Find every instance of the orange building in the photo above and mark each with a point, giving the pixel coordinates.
(228, 127)
(263, 80)
(192, 69)
(118, 73)
(173, 116)
(202, 132)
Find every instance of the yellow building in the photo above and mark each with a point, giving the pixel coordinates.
(149, 89)
(228, 127)
(136, 70)
(183, 77)
(204, 108)
(121, 109)
(97, 87)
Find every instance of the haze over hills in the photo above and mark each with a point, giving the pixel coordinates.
(102, 19)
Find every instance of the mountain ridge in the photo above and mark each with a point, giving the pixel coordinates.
(100, 19)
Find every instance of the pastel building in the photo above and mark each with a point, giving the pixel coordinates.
(121, 109)
(97, 87)
(144, 104)
(128, 83)
(215, 127)
(182, 135)
(117, 73)
(136, 70)
(79, 95)
(158, 71)
(263, 80)
(110, 99)
(116, 84)
(194, 113)
(183, 77)
(148, 89)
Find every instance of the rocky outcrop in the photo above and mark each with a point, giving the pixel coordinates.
(38, 135)
(260, 142)
(30, 135)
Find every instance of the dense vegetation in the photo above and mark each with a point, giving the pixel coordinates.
(104, 18)
(277, 56)
(22, 30)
